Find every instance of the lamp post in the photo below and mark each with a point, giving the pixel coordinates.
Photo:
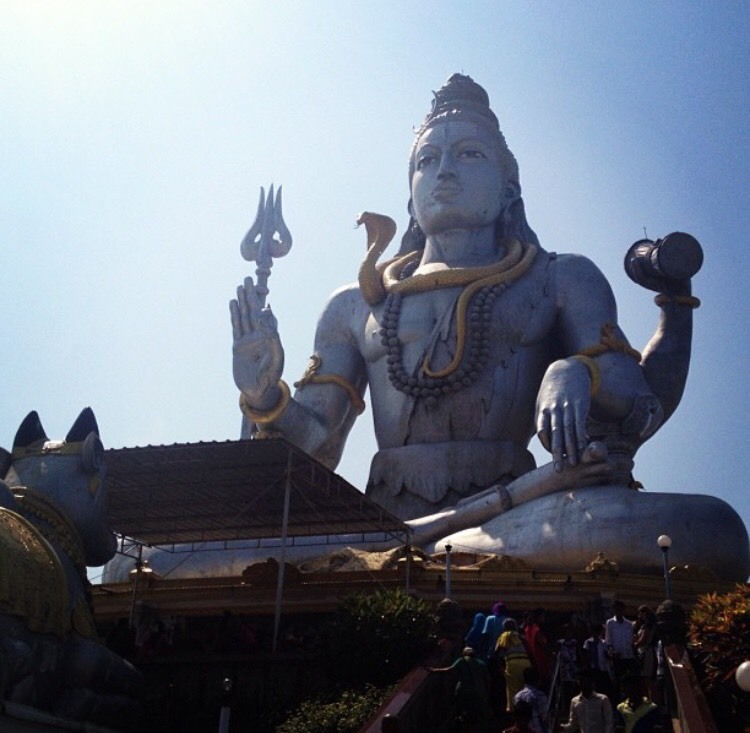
(665, 542)
(226, 696)
(448, 548)
(407, 554)
(141, 570)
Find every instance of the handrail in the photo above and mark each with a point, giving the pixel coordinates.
(554, 697)
(398, 699)
(693, 713)
(403, 704)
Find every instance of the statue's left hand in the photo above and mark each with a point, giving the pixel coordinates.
(562, 407)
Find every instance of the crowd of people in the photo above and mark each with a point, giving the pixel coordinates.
(605, 678)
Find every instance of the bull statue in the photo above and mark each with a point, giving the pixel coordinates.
(53, 523)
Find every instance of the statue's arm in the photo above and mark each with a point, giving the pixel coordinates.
(666, 357)
(587, 319)
(319, 416)
(606, 383)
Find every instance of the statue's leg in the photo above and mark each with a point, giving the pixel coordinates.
(568, 529)
(30, 664)
(475, 510)
(15, 665)
(100, 685)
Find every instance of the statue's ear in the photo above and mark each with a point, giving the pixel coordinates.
(30, 431)
(5, 460)
(512, 192)
(92, 454)
(84, 424)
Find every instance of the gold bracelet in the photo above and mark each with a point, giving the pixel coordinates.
(267, 416)
(689, 300)
(593, 370)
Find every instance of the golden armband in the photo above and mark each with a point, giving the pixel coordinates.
(267, 416)
(688, 300)
(593, 370)
(311, 376)
(610, 342)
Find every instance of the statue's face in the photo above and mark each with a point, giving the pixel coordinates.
(458, 181)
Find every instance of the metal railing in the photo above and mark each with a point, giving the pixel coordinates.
(692, 714)
(554, 698)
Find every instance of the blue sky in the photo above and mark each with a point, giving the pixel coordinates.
(135, 137)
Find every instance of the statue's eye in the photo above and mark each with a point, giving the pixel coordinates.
(471, 154)
(424, 160)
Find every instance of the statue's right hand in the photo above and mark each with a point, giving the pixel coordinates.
(258, 357)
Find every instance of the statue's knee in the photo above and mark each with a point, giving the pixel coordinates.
(78, 703)
(15, 663)
(91, 665)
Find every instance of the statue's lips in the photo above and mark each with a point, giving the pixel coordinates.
(445, 193)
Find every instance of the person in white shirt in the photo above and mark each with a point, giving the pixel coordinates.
(619, 638)
(590, 711)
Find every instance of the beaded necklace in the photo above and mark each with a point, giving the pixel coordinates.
(474, 307)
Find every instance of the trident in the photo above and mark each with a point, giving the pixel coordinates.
(260, 245)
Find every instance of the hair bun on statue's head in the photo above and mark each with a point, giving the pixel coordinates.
(459, 96)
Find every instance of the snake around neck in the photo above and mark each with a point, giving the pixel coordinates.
(482, 286)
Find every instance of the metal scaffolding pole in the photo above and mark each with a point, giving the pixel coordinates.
(282, 563)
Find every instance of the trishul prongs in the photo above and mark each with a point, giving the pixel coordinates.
(260, 245)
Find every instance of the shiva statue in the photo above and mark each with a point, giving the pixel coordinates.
(472, 340)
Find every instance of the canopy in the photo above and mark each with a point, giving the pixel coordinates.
(232, 491)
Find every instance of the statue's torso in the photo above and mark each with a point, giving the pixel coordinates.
(499, 403)
(444, 448)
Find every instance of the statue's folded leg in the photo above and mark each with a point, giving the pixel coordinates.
(475, 510)
(566, 530)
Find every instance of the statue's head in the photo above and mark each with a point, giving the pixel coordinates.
(461, 107)
(66, 474)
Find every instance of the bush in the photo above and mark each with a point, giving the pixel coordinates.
(347, 714)
(377, 638)
(719, 637)
(374, 639)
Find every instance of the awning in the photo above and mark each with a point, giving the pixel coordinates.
(232, 491)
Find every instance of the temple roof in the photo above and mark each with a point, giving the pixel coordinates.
(220, 492)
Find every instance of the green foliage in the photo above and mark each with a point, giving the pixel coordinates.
(346, 714)
(720, 633)
(374, 639)
(378, 637)
(719, 637)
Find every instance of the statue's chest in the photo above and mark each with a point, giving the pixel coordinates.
(441, 326)
(423, 314)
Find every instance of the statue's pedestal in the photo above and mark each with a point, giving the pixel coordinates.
(15, 717)
(476, 583)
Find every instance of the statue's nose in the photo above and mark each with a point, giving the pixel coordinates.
(447, 167)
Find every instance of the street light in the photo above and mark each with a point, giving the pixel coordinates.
(665, 542)
(226, 694)
(448, 548)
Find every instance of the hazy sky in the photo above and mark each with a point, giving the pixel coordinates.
(135, 136)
